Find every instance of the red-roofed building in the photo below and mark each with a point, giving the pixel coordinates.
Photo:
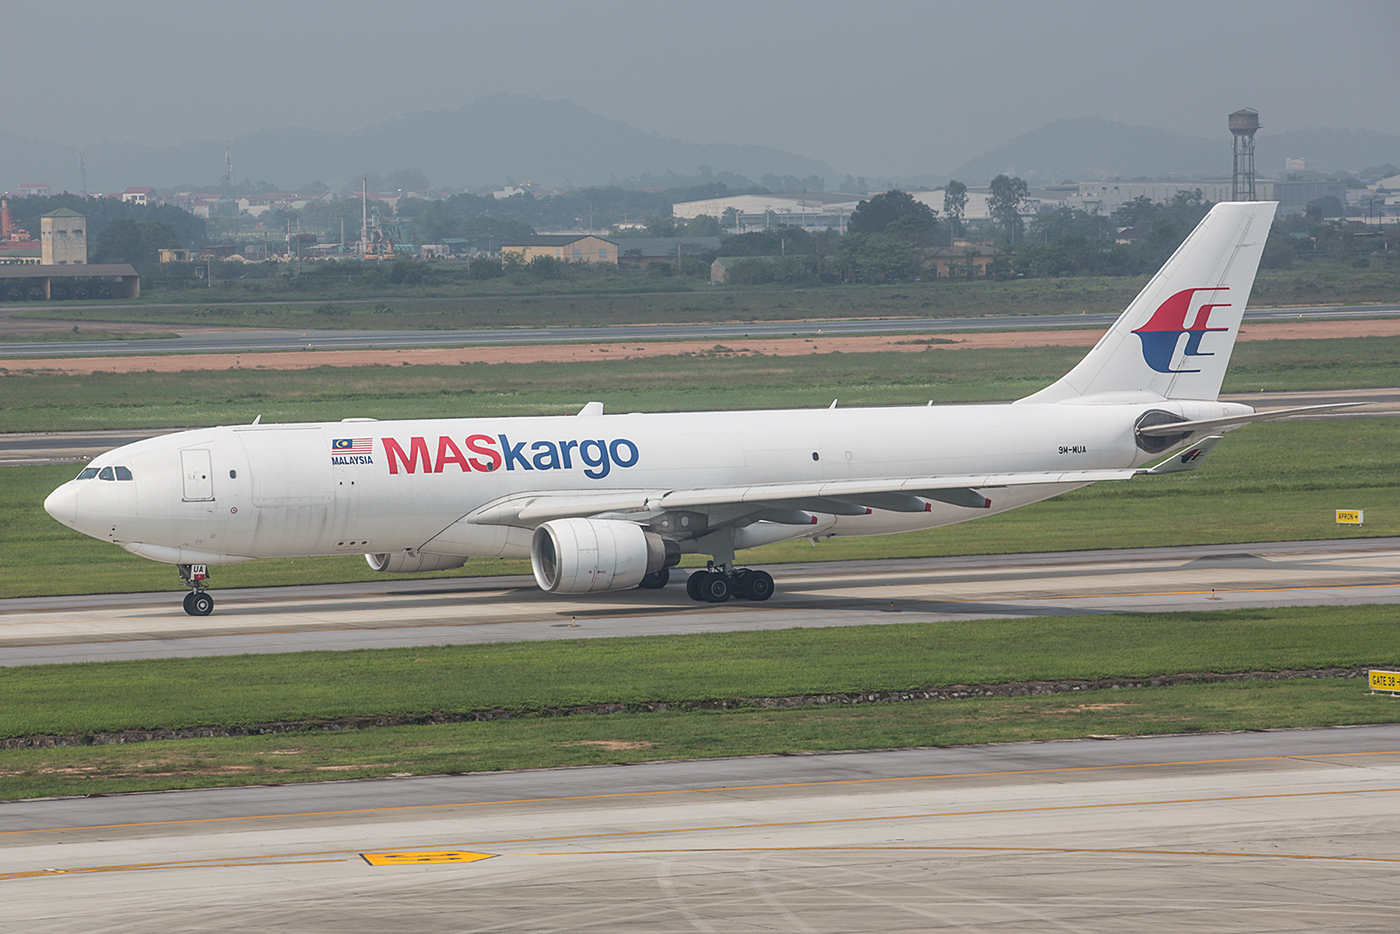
(139, 195)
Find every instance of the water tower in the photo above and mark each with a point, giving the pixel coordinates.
(1243, 123)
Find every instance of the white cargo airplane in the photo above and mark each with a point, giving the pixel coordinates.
(609, 502)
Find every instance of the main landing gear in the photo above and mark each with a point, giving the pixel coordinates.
(198, 602)
(716, 585)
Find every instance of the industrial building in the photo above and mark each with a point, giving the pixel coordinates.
(63, 238)
(567, 248)
(62, 270)
(812, 211)
(16, 249)
(817, 211)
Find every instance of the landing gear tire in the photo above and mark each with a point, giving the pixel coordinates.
(715, 588)
(188, 597)
(692, 585)
(199, 604)
(656, 579)
(756, 585)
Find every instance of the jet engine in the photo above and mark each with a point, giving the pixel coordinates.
(406, 562)
(596, 555)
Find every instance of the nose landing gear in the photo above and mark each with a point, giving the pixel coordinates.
(716, 585)
(198, 602)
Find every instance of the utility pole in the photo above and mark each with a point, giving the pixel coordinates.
(228, 170)
(364, 215)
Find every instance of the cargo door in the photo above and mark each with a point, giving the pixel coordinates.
(198, 475)
(288, 466)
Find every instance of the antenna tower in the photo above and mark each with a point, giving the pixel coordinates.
(1243, 123)
(82, 170)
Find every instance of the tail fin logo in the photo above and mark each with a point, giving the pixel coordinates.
(1164, 329)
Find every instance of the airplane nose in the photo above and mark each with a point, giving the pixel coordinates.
(62, 504)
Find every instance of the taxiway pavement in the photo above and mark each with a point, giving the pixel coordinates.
(1275, 831)
(250, 340)
(443, 611)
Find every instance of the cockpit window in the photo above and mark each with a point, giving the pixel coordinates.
(87, 473)
(123, 473)
(106, 474)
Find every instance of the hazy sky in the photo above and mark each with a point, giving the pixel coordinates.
(874, 87)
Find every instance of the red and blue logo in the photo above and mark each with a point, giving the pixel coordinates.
(1163, 330)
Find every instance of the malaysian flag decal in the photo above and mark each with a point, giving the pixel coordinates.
(352, 450)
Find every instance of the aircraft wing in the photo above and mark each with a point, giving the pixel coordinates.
(907, 494)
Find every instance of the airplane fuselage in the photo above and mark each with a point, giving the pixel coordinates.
(226, 494)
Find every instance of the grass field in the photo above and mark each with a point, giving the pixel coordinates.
(596, 740)
(332, 302)
(36, 400)
(505, 305)
(178, 693)
(1270, 482)
(91, 335)
(682, 671)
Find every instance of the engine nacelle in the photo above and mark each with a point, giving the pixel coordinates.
(596, 555)
(406, 562)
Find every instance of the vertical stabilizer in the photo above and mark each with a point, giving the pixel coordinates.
(1174, 340)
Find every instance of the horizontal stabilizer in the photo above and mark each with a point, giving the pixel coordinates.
(1186, 460)
(1170, 429)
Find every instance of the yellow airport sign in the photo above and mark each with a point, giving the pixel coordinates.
(1385, 681)
(423, 858)
(1349, 516)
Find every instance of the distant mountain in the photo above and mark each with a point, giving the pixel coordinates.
(1326, 150)
(485, 142)
(1086, 148)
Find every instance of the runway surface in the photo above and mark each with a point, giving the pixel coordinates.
(1279, 831)
(472, 610)
(251, 340)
